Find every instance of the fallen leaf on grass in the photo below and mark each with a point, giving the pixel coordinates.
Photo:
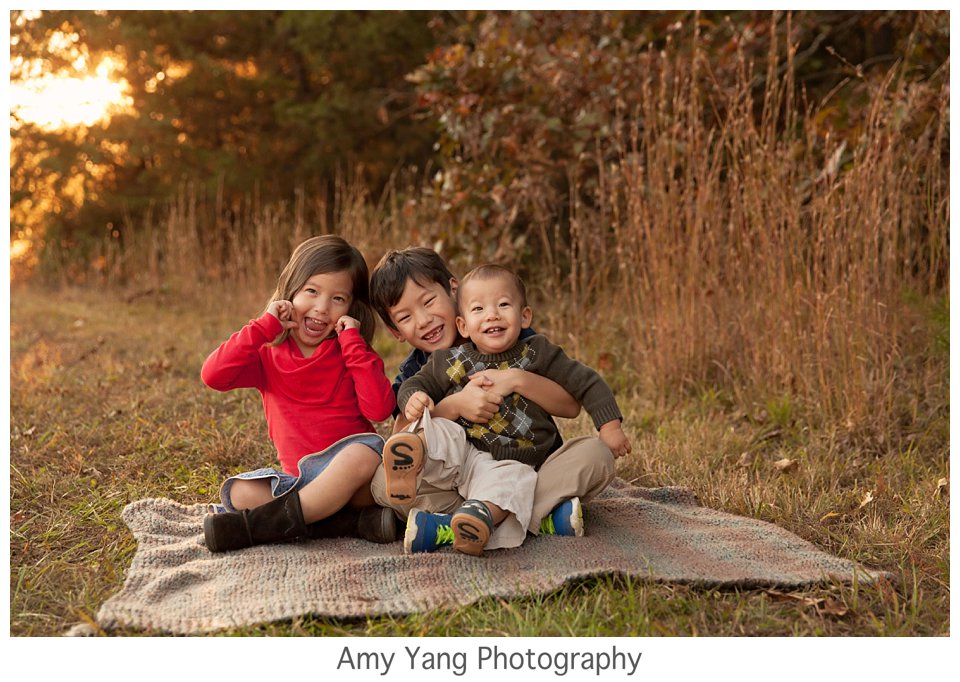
(831, 607)
(867, 499)
(943, 488)
(786, 465)
(746, 460)
(789, 596)
(824, 606)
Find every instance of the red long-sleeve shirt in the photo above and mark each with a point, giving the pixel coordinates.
(310, 403)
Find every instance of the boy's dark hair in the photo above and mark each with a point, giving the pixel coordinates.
(323, 254)
(489, 271)
(390, 275)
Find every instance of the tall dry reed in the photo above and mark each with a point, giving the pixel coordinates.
(732, 243)
(750, 254)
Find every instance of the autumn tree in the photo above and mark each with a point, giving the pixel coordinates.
(528, 101)
(250, 102)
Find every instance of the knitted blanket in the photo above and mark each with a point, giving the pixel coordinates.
(175, 585)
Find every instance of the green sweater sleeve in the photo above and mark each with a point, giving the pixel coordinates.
(580, 381)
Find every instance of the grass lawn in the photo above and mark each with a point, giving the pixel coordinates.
(107, 407)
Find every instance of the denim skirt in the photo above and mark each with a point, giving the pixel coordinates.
(310, 466)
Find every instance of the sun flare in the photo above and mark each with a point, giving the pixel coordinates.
(52, 102)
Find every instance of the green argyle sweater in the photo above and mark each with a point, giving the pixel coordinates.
(521, 430)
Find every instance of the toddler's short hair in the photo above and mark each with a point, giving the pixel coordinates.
(390, 275)
(489, 271)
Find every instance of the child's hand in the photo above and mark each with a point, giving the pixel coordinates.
(283, 311)
(614, 438)
(346, 322)
(417, 403)
(501, 381)
(476, 402)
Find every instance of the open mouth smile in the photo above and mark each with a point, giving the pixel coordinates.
(434, 335)
(315, 327)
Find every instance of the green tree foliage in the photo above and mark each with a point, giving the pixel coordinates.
(247, 101)
(522, 108)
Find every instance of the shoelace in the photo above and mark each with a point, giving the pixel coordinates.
(444, 535)
(546, 525)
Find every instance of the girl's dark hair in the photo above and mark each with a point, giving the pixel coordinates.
(319, 255)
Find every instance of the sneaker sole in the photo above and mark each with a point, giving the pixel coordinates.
(410, 534)
(402, 461)
(470, 534)
(576, 520)
(208, 534)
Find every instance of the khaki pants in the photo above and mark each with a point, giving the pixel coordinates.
(582, 468)
(455, 470)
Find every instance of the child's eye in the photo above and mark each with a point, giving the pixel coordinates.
(339, 299)
(476, 309)
(430, 300)
(401, 320)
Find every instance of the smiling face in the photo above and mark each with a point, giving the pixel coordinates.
(492, 313)
(425, 316)
(321, 301)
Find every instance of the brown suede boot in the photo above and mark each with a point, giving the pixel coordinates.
(278, 520)
(374, 524)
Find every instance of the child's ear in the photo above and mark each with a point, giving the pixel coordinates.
(454, 285)
(526, 317)
(462, 327)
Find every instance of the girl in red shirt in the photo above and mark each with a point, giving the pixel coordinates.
(322, 385)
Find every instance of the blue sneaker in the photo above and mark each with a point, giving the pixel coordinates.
(565, 519)
(426, 532)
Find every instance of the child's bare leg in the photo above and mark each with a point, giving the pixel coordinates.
(496, 512)
(349, 472)
(363, 497)
(247, 494)
(310, 512)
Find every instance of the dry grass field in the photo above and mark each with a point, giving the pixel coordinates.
(107, 408)
(762, 280)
